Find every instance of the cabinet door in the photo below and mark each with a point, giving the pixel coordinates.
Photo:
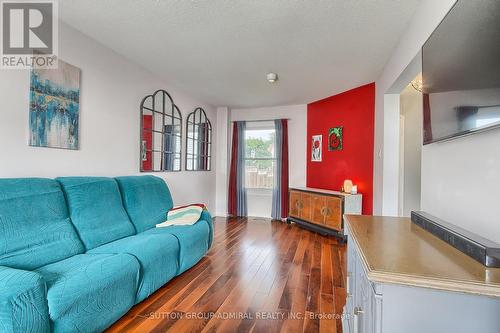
(333, 218)
(318, 208)
(365, 297)
(305, 211)
(294, 204)
(351, 285)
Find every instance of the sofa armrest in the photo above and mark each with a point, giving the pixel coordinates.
(23, 302)
(205, 215)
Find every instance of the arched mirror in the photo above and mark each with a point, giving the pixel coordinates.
(198, 141)
(161, 133)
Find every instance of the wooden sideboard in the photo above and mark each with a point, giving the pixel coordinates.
(322, 210)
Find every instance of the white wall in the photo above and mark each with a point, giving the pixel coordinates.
(412, 110)
(111, 90)
(461, 182)
(259, 201)
(222, 147)
(390, 157)
(385, 181)
(461, 178)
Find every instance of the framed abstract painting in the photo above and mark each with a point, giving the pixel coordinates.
(316, 155)
(335, 138)
(54, 111)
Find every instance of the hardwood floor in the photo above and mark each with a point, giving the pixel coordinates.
(259, 276)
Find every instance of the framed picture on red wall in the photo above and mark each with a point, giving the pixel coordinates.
(335, 138)
(317, 141)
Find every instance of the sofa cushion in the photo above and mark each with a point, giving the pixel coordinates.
(88, 292)
(35, 229)
(147, 200)
(23, 301)
(158, 256)
(96, 209)
(193, 241)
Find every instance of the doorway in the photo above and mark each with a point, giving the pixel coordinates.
(410, 149)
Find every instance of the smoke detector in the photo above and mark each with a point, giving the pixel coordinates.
(272, 77)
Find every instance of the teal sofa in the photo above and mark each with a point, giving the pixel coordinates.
(76, 253)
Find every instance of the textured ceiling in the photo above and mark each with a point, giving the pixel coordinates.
(220, 51)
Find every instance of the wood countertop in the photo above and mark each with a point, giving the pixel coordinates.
(395, 250)
(319, 190)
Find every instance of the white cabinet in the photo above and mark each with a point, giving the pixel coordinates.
(375, 307)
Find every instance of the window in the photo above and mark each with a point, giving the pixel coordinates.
(260, 158)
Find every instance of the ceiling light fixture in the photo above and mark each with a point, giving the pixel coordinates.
(272, 77)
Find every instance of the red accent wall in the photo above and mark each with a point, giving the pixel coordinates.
(355, 111)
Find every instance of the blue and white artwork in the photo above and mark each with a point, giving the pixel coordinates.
(55, 107)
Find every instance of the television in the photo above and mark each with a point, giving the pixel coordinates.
(461, 72)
